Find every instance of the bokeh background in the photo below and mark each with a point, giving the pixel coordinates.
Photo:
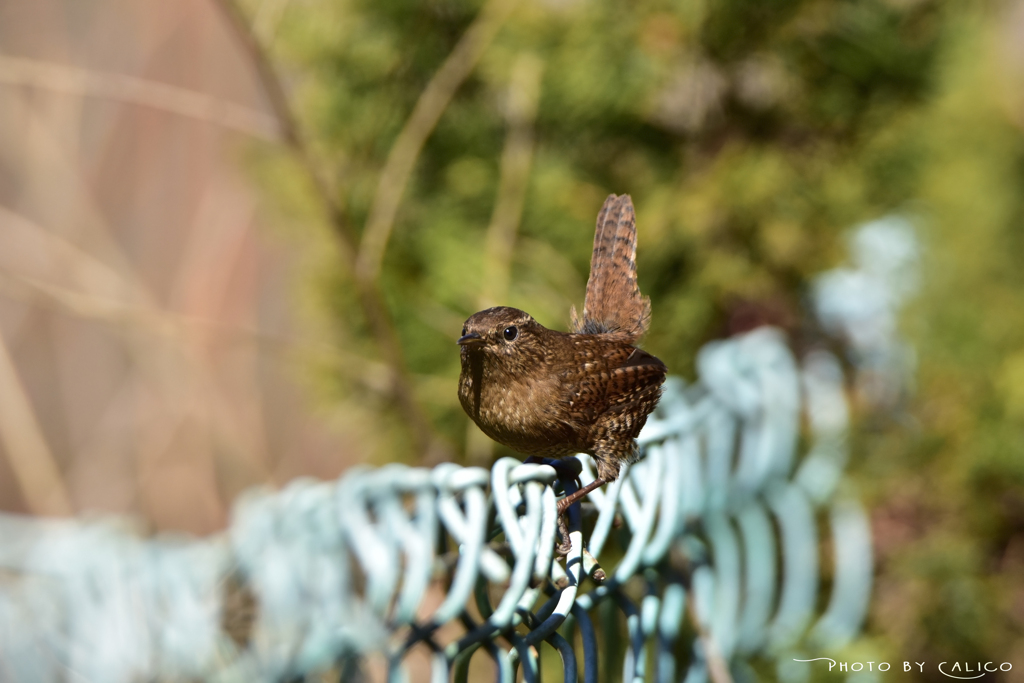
(238, 242)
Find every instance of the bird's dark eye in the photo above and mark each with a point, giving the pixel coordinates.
(463, 330)
(511, 333)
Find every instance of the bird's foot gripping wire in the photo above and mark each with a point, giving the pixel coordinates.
(571, 498)
(568, 471)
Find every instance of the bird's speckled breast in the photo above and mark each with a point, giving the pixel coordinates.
(523, 412)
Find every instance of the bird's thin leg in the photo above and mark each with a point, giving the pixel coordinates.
(568, 500)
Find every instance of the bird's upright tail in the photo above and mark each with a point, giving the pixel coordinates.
(614, 302)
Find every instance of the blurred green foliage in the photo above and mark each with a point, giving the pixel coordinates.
(752, 136)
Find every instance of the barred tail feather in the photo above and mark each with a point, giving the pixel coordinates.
(614, 302)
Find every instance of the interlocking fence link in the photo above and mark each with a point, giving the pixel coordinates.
(716, 528)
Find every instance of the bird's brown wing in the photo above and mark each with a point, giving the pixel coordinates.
(635, 375)
(614, 302)
(610, 406)
(629, 376)
(633, 390)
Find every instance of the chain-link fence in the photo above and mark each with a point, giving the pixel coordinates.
(710, 549)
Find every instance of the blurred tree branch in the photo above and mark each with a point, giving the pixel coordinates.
(425, 115)
(115, 295)
(128, 316)
(80, 248)
(140, 91)
(371, 299)
(521, 103)
(34, 466)
(267, 18)
(516, 159)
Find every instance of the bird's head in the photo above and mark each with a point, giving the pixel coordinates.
(503, 334)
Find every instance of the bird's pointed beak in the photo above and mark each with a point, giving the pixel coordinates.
(471, 340)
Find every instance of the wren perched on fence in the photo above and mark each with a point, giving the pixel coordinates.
(554, 394)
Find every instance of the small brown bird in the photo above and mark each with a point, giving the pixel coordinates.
(554, 394)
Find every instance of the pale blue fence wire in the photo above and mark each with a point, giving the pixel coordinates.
(719, 524)
(860, 303)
